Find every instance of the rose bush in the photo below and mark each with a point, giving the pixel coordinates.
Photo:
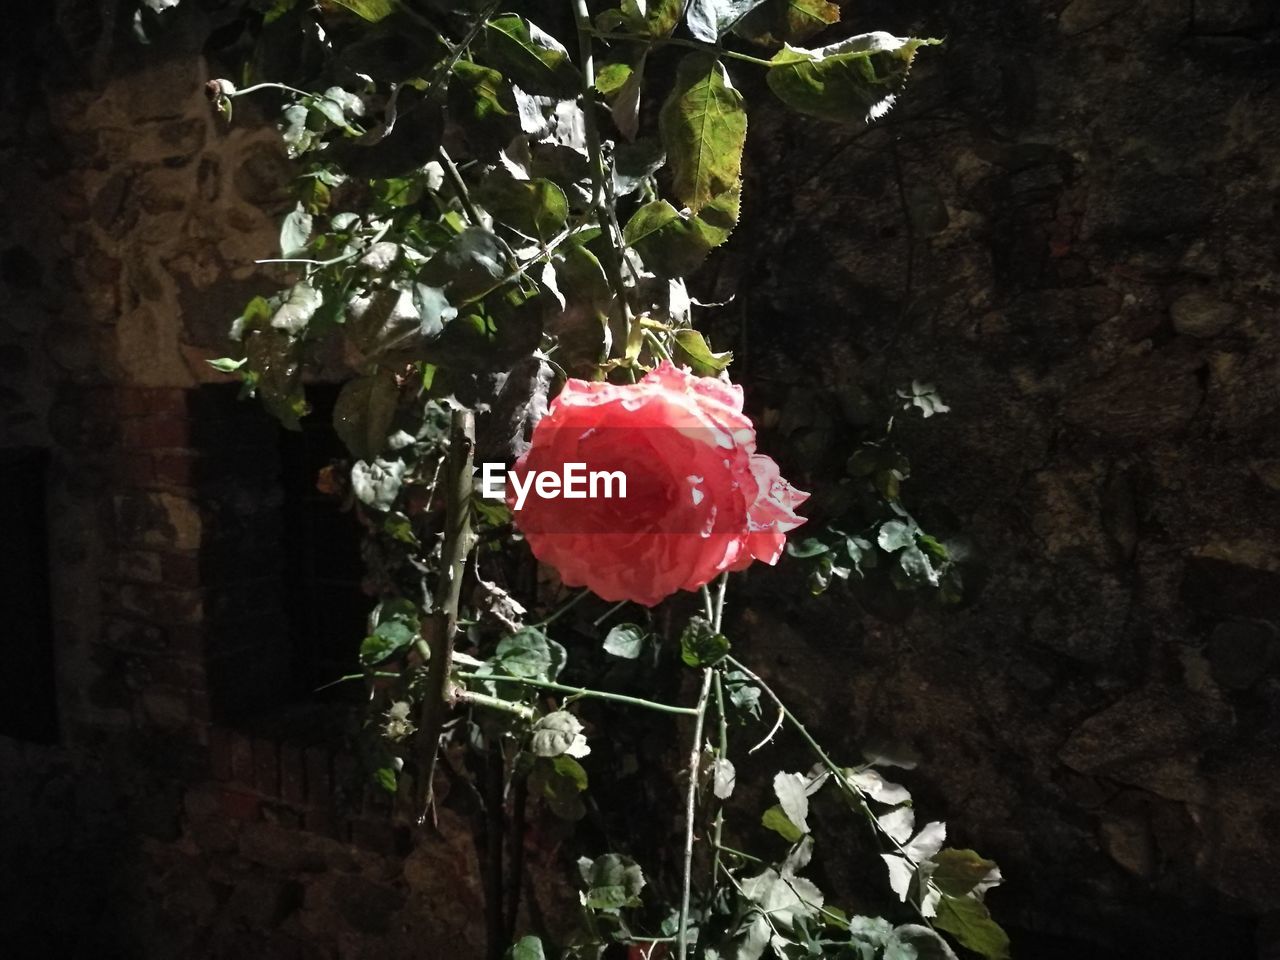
(699, 498)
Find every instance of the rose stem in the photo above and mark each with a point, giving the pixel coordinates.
(695, 763)
(442, 625)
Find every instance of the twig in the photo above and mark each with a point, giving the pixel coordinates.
(581, 692)
(441, 626)
(690, 810)
(772, 733)
(681, 42)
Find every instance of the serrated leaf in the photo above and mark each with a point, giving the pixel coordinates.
(377, 483)
(704, 129)
(295, 232)
(386, 640)
(969, 921)
(674, 244)
(474, 262)
(723, 778)
(558, 734)
(626, 640)
(792, 793)
(709, 20)
(700, 646)
(854, 79)
(776, 819)
(293, 315)
(526, 948)
(537, 208)
(694, 351)
(363, 413)
(371, 10)
(957, 872)
(787, 21)
(613, 881)
(530, 56)
(634, 162)
(895, 534)
(526, 653)
(652, 18)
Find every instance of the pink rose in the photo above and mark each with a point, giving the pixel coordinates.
(699, 499)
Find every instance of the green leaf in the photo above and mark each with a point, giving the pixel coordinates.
(386, 640)
(895, 534)
(792, 792)
(295, 232)
(917, 567)
(652, 18)
(704, 129)
(709, 20)
(854, 79)
(273, 368)
(969, 921)
(376, 484)
(473, 263)
(226, 364)
(808, 547)
(477, 91)
(694, 351)
(386, 778)
(776, 820)
(371, 10)
(363, 413)
(925, 944)
(558, 734)
(787, 21)
(298, 308)
(957, 872)
(673, 244)
(526, 654)
(570, 770)
(634, 162)
(613, 881)
(526, 948)
(626, 640)
(534, 59)
(537, 208)
(611, 77)
(700, 646)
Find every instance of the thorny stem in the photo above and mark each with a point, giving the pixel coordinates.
(716, 610)
(442, 625)
(690, 809)
(459, 185)
(837, 772)
(581, 692)
(599, 190)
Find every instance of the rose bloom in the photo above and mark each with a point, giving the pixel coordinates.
(699, 499)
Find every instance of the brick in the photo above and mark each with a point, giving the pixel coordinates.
(181, 569)
(156, 432)
(241, 758)
(156, 604)
(139, 566)
(293, 774)
(237, 805)
(133, 469)
(141, 401)
(220, 753)
(124, 634)
(177, 468)
(266, 767)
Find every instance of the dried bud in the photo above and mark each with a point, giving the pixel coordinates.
(216, 89)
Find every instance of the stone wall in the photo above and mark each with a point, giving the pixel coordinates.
(1069, 227)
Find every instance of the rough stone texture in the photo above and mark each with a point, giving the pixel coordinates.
(1069, 226)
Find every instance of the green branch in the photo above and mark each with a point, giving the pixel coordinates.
(581, 692)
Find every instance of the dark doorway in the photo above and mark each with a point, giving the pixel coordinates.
(28, 688)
